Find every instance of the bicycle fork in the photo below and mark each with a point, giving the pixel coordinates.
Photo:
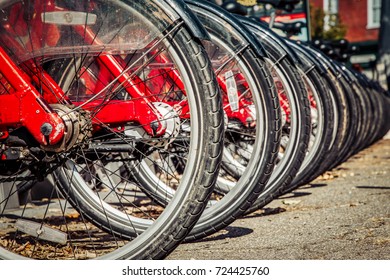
(26, 107)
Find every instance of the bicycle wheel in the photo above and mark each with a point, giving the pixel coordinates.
(251, 131)
(295, 109)
(342, 115)
(323, 122)
(92, 190)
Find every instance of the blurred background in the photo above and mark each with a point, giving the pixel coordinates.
(356, 32)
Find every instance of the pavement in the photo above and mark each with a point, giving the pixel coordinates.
(343, 214)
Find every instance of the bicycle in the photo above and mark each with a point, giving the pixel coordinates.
(66, 69)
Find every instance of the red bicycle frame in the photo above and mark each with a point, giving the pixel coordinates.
(23, 105)
(244, 114)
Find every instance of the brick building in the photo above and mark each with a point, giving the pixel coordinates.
(360, 17)
(362, 21)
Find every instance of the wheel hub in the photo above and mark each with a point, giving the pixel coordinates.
(78, 127)
(170, 121)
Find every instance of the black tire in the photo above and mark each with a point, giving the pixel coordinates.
(322, 133)
(342, 121)
(298, 130)
(239, 183)
(149, 237)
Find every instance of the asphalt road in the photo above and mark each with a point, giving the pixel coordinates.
(344, 214)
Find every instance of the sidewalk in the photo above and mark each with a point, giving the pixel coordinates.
(345, 214)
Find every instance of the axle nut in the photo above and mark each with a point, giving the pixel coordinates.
(46, 129)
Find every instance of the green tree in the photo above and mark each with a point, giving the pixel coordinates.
(336, 31)
(317, 22)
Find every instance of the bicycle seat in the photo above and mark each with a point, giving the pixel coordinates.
(339, 50)
(290, 27)
(234, 7)
(287, 5)
(342, 45)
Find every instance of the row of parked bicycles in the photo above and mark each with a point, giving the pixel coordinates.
(128, 127)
